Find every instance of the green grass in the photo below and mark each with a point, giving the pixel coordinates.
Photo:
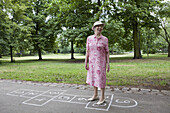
(153, 71)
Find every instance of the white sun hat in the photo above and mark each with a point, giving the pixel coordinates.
(97, 23)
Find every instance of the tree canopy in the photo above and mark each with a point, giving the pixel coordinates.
(38, 26)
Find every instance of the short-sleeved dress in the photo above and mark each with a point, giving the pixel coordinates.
(98, 47)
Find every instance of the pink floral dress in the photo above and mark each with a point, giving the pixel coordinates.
(98, 47)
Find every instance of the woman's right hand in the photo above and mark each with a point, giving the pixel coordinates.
(86, 66)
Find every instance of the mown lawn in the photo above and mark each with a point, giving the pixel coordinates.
(153, 71)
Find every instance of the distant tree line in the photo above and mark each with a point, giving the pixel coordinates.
(37, 26)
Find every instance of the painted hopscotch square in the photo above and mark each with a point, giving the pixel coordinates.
(19, 92)
(105, 106)
(108, 97)
(32, 94)
(38, 101)
(53, 93)
(80, 99)
(64, 98)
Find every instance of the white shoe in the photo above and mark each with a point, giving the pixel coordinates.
(93, 99)
(99, 103)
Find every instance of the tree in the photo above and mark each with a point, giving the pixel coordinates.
(37, 12)
(15, 19)
(3, 28)
(149, 41)
(167, 33)
(76, 15)
(114, 31)
(134, 15)
(164, 14)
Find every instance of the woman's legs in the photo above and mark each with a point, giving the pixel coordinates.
(94, 97)
(95, 92)
(102, 94)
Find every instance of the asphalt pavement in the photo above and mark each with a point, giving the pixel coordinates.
(32, 97)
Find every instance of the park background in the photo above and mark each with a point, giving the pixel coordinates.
(45, 40)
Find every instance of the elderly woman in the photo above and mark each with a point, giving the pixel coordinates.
(97, 55)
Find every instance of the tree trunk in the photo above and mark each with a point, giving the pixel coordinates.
(168, 49)
(39, 54)
(37, 28)
(147, 43)
(11, 54)
(137, 53)
(97, 10)
(147, 50)
(167, 37)
(72, 50)
(136, 40)
(99, 4)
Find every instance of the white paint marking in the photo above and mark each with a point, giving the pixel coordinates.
(53, 94)
(130, 106)
(94, 108)
(11, 94)
(18, 92)
(124, 101)
(73, 98)
(95, 104)
(77, 103)
(64, 97)
(41, 99)
(110, 102)
(31, 93)
(107, 97)
(82, 99)
(25, 102)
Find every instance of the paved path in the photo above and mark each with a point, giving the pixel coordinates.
(31, 97)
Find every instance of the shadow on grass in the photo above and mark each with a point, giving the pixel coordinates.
(46, 60)
(112, 60)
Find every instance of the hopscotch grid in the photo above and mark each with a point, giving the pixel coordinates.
(49, 96)
(54, 97)
(136, 103)
(30, 92)
(49, 100)
(62, 92)
(66, 94)
(33, 98)
(74, 96)
(23, 89)
(95, 108)
(16, 92)
(25, 102)
(69, 101)
(100, 108)
(54, 90)
(73, 99)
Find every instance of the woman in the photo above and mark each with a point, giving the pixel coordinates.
(97, 55)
